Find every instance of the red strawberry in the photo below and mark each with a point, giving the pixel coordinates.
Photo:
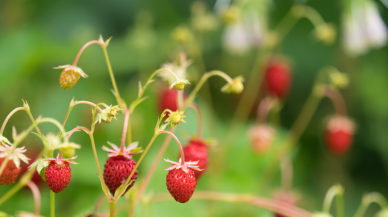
(278, 77)
(58, 173)
(119, 166)
(181, 180)
(339, 134)
(261, 137)
(168, 99)
(196, 150)
(12, 169)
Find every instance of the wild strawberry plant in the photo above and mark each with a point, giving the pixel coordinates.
(120, 172)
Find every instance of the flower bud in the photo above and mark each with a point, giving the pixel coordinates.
(261, 137)
(175, 118)
(68, 152)
(70, 76)
(235, 87)
(231, 14)
(181, 34)
(108, 114)
(325, 33)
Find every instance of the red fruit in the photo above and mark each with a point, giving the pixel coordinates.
(119, 166)
(116, 172)
(10, 173)
(278, 77)
(58, 173)
(261, 137)
(181, 180)
(196, 150)
(168, 99)
(339, 134)
(12, 169)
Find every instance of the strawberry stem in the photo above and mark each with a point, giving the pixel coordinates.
(179, 143)
(8, 117)
(75, 129)
(336, 98)
(124, 130)
(36, 193)
(263, 109)
(84, 47)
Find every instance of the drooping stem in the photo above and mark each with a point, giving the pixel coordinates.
(78, 128)
(182, 154)
(124, 131)
(372, 197)
(204, 77)
(36, 193)
(8, 117)
(199, 115)
(84, 47)
(336, 98)
(273, 205)
(331, 193)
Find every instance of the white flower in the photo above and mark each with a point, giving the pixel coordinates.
(240, 36)
(363, 28)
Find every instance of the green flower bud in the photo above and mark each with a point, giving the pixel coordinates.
(235, 87)
(175, 118)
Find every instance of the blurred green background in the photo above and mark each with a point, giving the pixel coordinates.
(36, 36)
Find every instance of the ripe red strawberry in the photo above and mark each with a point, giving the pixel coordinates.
(261, 137)
(119, 166)
(168, 99)
(12, 169)
(278, 77)
(339, 134)
(181, 180)
(196, 150)
(58, 173)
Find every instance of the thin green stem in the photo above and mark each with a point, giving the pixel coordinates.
(122, 190)
(340, 204)
(112, 208)
(52, 203)
(331, 193)
(8, 117)
(372, 197)
(204, 77)
(117, 94)
(103, 185)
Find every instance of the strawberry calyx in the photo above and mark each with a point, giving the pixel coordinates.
(184, 166)
(15, 156)
(339, 122)
(60, 160)
(127, 152)
(72, 68)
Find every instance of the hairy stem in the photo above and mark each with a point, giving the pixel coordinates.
(112, 208)
(124, 130)
(84, 47)
(76, 129)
